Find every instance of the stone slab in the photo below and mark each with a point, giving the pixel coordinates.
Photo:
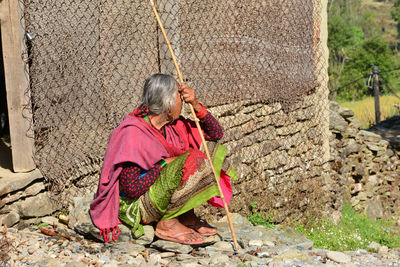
(11, 181)
(37, 206)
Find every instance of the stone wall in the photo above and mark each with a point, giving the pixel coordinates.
(279, 154)
(368, 165)
(23, 197)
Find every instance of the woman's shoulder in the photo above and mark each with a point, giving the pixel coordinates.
(134, 121)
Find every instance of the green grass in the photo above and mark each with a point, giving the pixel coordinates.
(258, 218)
(354, 231)
(38, 225)
(364, 109)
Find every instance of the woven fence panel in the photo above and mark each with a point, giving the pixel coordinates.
(128, 53)
(234, 50)
(70, 119)
(89, 60)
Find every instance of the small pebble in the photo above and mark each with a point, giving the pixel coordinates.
(338, 256)
(67, 253)
(222, 245)
(167, 254)
(256, 243)
(383, 250)
(268, 243)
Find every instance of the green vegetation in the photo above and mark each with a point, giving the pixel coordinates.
(364, 109)
(354, 231)
(395, 12)
(360, 36)
(258, 218)
(38, 225)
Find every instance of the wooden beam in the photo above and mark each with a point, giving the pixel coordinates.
(323, 77)
(16, 79)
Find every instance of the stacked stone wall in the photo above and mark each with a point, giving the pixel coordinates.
(23, 197)
(279, 154)
(368, 164)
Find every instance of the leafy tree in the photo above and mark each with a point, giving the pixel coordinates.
(372, 52)
(344, 36)
(395, 12)
(356, 44)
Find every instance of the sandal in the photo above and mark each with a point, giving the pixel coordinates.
(200, 224)
(175, 238)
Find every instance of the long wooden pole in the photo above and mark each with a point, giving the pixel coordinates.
(228, 214)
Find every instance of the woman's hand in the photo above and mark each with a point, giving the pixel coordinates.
(169, 160)
(189, 96)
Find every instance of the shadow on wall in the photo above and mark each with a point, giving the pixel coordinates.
(5, 149)
(4, 127)
(5, 154)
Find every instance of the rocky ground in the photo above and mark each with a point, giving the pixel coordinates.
(58, 245)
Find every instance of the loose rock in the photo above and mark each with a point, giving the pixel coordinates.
(171, 246)
(338, 256)
(224, 246)
(219, 259)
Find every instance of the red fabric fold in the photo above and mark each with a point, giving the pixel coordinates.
(115, 233)
(105, 234)
(193, 162)
(225, 183)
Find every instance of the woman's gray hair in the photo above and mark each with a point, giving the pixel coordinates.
(159, 93)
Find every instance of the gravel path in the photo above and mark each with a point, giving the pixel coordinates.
(28, 247)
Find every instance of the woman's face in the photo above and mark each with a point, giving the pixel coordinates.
(177, 108)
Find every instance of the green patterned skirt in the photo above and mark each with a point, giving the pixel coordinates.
(170, 196)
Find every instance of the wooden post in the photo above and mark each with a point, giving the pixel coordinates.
(375, 73)
(322, 105)
(16, 79)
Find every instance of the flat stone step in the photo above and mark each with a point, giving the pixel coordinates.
(11, 181)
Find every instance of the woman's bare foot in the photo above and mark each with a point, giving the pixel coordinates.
(190, 220)
(173, 230)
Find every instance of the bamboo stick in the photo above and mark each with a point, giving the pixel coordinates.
(228, 214)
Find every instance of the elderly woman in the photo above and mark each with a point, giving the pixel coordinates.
(154, 170)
